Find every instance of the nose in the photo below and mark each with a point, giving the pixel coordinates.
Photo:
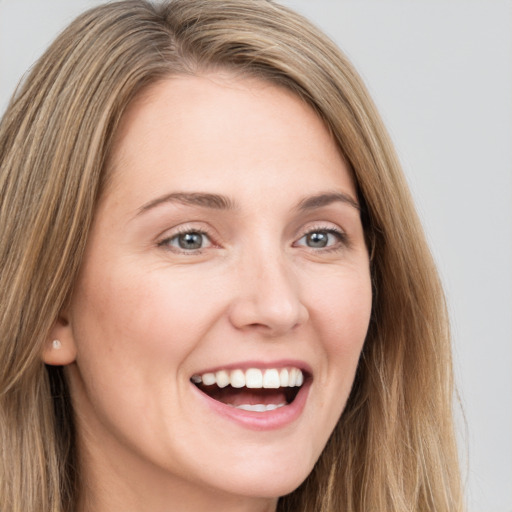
(267, 299)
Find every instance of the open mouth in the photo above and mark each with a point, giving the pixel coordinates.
(252, 389)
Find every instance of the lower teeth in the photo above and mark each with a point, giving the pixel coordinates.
(258, 407)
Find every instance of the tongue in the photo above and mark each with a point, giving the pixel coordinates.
(241, 396)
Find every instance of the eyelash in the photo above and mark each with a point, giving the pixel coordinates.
(342, 240)
(341, 236)
(166, 242)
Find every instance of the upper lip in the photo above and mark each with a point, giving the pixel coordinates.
(261, 365)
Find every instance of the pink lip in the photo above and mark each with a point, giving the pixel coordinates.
(269, 420)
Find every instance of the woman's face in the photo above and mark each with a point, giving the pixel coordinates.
(225, 265)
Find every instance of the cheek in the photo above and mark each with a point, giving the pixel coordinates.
(133, 317)
(133, 335)
(341, 315)
(343, 306)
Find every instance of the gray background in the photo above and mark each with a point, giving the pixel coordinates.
(441, 73)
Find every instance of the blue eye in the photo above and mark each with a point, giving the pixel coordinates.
(188, 241)
(321, 238)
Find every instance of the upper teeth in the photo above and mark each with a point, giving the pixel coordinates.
(253, 378)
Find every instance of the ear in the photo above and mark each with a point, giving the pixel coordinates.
(60, 347)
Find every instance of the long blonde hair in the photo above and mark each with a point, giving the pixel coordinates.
(393, 448)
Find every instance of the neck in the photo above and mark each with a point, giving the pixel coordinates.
(170, 501)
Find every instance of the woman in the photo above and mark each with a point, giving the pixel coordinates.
(179, 334)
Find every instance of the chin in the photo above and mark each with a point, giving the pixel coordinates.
(268, 483)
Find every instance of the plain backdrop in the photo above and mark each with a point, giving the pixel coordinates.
(440, 72)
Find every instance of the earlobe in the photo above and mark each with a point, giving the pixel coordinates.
(60, 348)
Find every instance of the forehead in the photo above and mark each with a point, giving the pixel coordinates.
(219, 131)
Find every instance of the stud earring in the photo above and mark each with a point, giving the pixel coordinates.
(56, 344)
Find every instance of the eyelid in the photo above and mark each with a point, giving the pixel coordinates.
(192, 227)
(328, 228)
(182, 229)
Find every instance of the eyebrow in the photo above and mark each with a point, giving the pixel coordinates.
(205, 200)
(221, 202)
(325, 199)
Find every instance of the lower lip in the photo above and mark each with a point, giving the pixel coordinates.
(268, 420)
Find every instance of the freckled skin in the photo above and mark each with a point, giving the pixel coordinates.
(147, 314)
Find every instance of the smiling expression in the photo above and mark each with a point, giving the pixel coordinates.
(224, 296)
